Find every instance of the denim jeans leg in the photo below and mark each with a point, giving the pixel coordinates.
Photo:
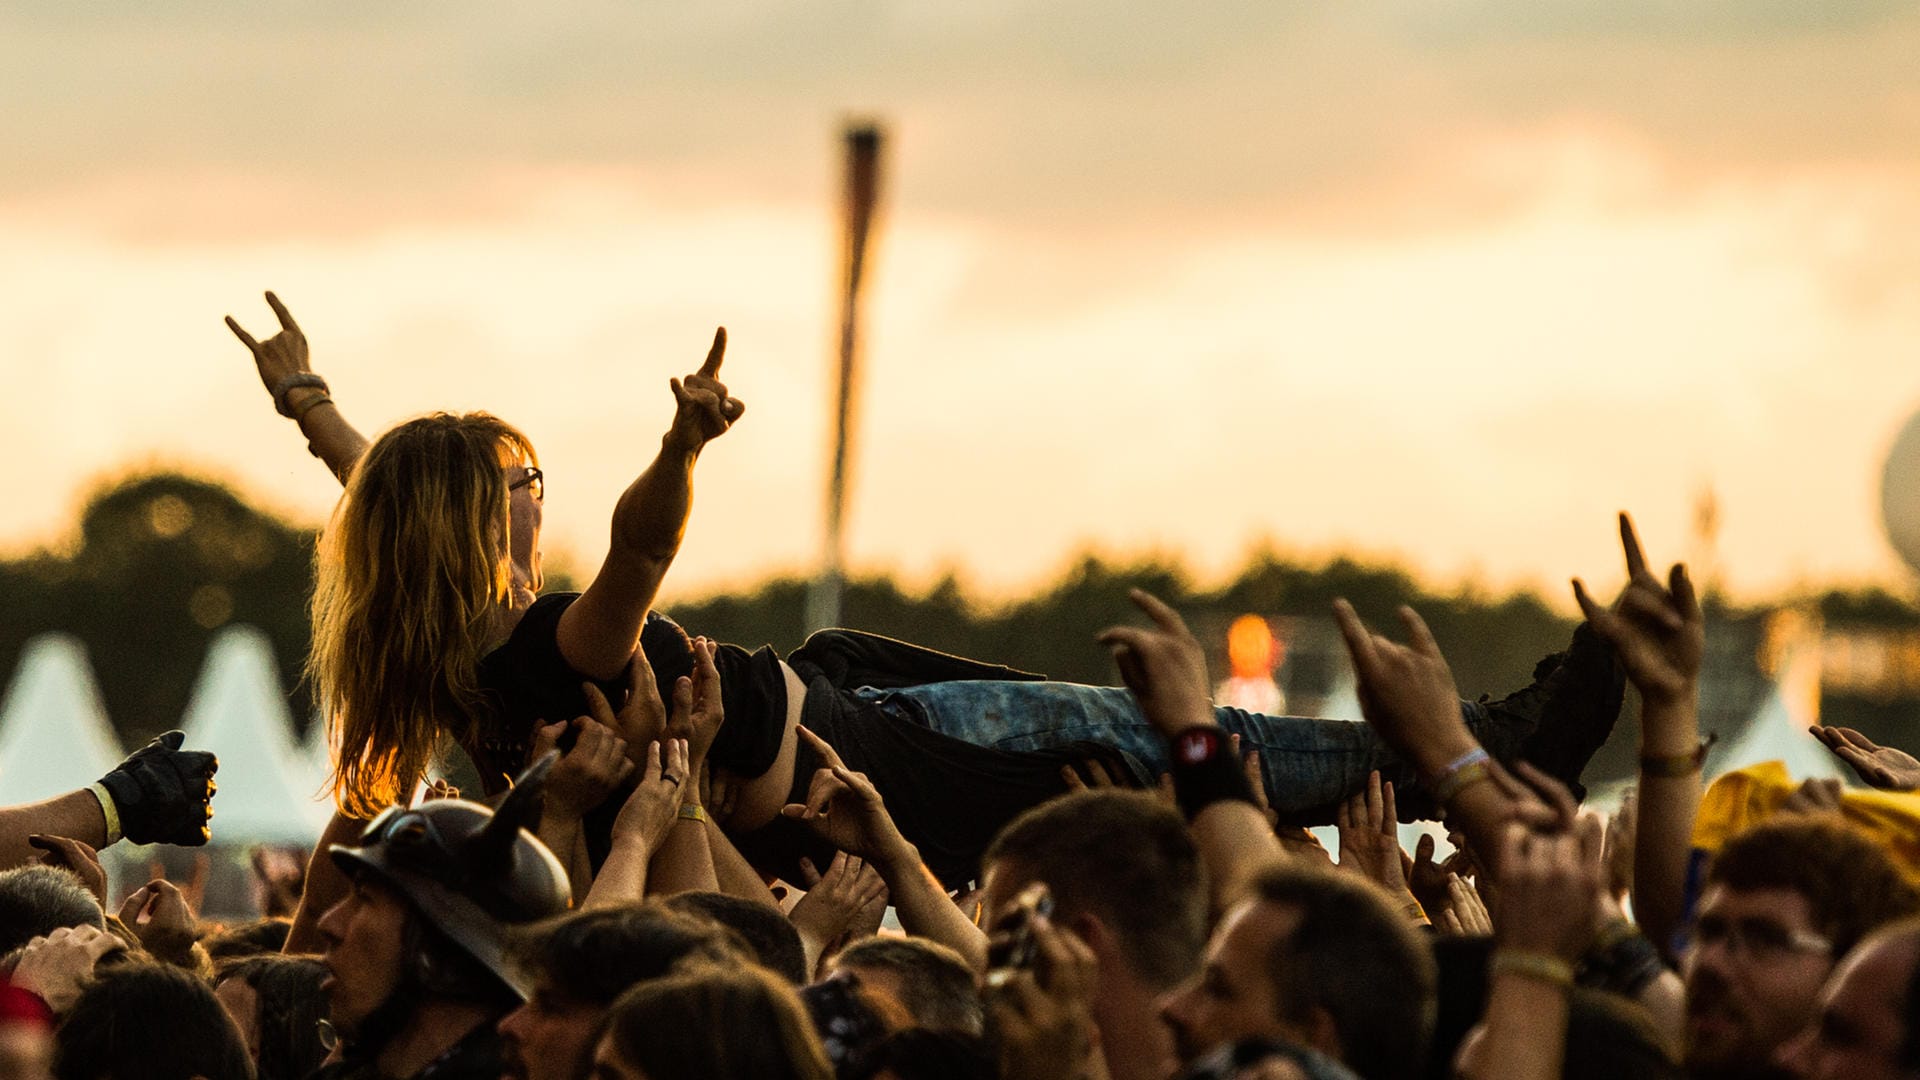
(1309, 764)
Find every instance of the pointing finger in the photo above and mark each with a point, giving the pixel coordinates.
(715, 354)
(1359, 640)
(1630, 544)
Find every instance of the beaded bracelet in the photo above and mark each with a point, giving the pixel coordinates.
(300, 411)
(292, 382)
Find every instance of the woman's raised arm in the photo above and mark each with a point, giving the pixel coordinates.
(598, 633)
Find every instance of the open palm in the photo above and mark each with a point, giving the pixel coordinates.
(1881, 766)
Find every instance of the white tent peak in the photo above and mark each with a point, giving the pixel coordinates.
(1778, 729)
(239, 711)
(54, 734)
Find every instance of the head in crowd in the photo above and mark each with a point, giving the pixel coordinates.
(768, 933)
(1126, 879)
(422, 549)
(1868, 1027)
(149, 1021)
(1783, 902)
(1120, 857)
(1316, 958)
(930, 982)
(247, 939)
(278, 1003)
(707, 1022)
(580, 963)
(37, 900)
(421, 939)
(920, 1054)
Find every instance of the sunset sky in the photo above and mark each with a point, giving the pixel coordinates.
(1442, 281)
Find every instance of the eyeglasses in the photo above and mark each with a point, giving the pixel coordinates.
(534, 481)
(1759, 939)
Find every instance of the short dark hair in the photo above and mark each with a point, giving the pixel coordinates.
(594, 956)
(1850, 882)
(1355, 955)
(709, 1021)
(37, 900)
(919, 1054)
(290, 1006)
(260, 937)
(774, 941)
(936, 984)
(150, 1020)
(1125, 857)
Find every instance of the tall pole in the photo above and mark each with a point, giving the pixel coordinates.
(862, 192)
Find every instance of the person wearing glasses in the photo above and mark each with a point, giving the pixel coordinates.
(1782, 903)
(427, 618)
(946, 740)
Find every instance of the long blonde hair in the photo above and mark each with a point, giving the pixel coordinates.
(410, 572)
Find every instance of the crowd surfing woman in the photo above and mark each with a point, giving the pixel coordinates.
(427, 622)
(426, 616)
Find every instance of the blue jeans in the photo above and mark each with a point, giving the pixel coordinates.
(1307, 763)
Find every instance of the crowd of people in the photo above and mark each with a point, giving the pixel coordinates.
(867, 859)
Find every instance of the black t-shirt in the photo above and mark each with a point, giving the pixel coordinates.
(527, 682)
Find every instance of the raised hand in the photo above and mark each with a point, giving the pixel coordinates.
(846, 810)
(654, 804)
(1406, 691)
(1164, 666)
(642, 719)
(700, 721)
(1369, 837)
(58, 966)
(1042, 1018)
(76, 856)
(1656, 627)
(160, 917)
(585, 775)
(164, 794)
(281, 359)
(835, 903)
(1466, 912)
(703, 411)
(1549, 884)
(1880, 766)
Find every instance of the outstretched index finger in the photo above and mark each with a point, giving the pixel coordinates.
(1159, 611)
(1630, 543)
(280, 311)
(715, 354)
(1359, 638)
(829, 757)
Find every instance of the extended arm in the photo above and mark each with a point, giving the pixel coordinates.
(1660, 635)
(1166, 670)
(846, 809)
(597, 634)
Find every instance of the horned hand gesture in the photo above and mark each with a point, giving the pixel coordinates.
(1656, 627)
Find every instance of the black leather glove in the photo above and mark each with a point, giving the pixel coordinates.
(164, 794)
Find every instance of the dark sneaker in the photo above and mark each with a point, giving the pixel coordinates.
(1560, 721)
